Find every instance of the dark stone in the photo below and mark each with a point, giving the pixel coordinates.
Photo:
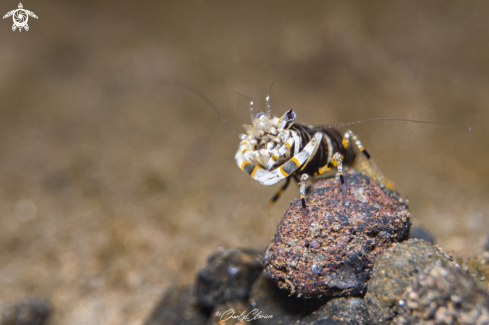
(269, 299)
(32, 311)
(345, 311)
(178, 307)
(227, 276)
(421, 233)
(444, 295)
(329, 249)
(327, 322)
(392, 273)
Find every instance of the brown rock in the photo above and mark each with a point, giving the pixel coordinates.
(330, 248)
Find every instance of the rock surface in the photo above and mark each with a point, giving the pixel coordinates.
(392, 273)
(32, 311)
(413, 282)
(178, 307)
(444, 295)
(346, 311)
(227, 276)
(329, 249)
(269, 299)
(477, 267)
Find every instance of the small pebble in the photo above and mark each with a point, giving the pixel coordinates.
(316, 269)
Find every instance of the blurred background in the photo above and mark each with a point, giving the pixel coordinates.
(117, 182)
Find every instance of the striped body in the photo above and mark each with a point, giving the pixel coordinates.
(331, 142)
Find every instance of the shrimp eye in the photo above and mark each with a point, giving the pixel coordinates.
(290, 115)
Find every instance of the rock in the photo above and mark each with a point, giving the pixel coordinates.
(327, 322)
(477, 267)
(32, 311)
(232, 313)
(421, 233)
(270, 300)
(227, 276)
(345, 311)
(329, 249)
(392, 273)
(444, 295)
(178, 307)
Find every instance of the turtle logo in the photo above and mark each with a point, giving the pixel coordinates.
(20, 17)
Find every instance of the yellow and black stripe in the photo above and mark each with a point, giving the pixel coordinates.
(280, 191)
(289, 167)
(319, 163)
(249, 168)
(365, 152)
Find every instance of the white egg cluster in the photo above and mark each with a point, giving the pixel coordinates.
(265, 141)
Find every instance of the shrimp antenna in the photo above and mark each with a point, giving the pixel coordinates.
(207, 100)
(268, 99)
(399, 120)
(249, 101)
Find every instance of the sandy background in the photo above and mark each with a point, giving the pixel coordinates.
(116, 182)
